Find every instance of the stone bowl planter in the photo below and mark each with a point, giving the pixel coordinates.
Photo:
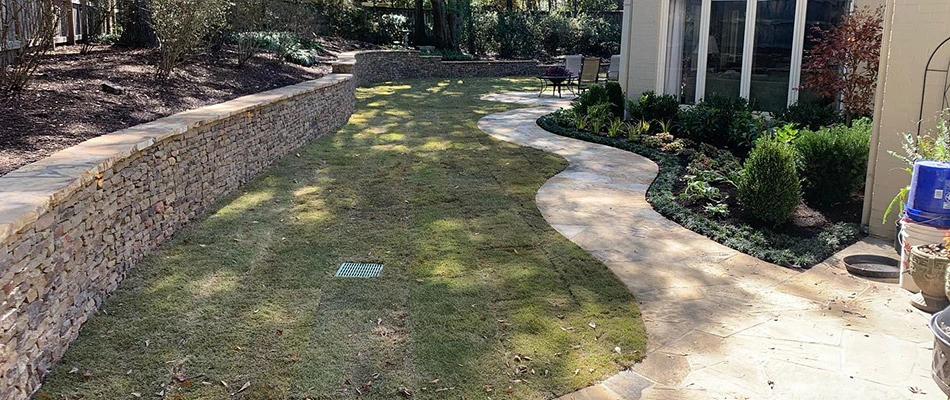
(940, 367)
(929, 271)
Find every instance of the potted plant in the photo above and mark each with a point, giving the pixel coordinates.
(928, 267)
(557, 72)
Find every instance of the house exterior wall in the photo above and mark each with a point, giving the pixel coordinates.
(645, 25)
(912, 30)
(639, 47)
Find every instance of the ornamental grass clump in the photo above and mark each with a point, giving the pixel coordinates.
(769, 188)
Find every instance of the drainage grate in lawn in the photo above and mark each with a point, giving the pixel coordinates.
(359, 270)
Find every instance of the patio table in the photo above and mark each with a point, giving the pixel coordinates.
(555, 82)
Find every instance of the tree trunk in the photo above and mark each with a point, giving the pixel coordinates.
(440, 25)
(419, 27)
(136, 28)
(470, 21)
(510, 5)
(455, 30)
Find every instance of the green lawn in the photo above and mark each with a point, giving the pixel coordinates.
(479, 297)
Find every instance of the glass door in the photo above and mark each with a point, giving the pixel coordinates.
(772, 54)
(725, 48)
(682, 44)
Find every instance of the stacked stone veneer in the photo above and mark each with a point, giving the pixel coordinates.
(73, 224)
(388, 65)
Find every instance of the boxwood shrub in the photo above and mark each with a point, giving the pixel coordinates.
(769, 188)
(723, 122)
(832, 162)
(651, 107)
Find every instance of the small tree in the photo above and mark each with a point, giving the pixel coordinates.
(181, 26)
(27, 28)
(844, 60)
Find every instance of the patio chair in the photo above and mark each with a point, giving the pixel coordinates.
(613, 73)
(573, 64)
(590, 72)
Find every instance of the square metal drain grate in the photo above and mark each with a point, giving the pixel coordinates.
(359, 270)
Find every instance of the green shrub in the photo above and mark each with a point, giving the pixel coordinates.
(558, 34)
(616, 98)
(286, 46)
(518, 36)
(594, 95)
(596, 36)
(720, 121)
(653, 107)
(769, 188)
(832, 162)
(811, 116)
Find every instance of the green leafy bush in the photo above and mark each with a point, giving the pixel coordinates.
(720, 121)
(832, 162)
(528, 35)
(616, 98)
(596, 36)
(811, 116)
(652, 107)
(769, 188)
(286, 46)
(518, 36)
(594, 95)
(558, 34)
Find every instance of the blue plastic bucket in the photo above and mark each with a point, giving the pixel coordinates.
(929, 199)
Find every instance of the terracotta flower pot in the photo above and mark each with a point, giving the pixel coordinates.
(930, 274)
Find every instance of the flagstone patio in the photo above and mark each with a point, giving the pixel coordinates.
(722, 324)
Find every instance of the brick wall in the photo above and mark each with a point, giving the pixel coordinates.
(73, 224)
(388, 65)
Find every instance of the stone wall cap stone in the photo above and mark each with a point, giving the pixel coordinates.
(31, 190)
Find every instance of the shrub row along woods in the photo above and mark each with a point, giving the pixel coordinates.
(461, 29)
(735, 167)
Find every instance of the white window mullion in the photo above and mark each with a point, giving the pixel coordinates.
(703, 52)
(798, 48)
(748, 47)
(662, 51)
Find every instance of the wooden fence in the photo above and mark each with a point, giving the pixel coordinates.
(75, 23)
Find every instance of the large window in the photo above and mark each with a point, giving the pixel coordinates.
(747, 48)
(725, 47)
(681, 49)
(772, 54)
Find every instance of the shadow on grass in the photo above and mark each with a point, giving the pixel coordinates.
(479, 296)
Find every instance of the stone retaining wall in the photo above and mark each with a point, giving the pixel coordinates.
(387, 65)
(73, 224)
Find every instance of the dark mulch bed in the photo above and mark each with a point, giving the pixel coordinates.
(64, 105)
(805, 221)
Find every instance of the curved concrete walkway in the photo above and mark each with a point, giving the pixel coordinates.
(721, 324)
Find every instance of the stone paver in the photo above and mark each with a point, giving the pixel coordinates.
(721, 324)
